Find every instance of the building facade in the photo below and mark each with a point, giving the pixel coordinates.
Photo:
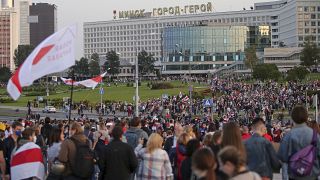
(203, 49)
(9, 37)
(23, 13)
(43, 22)
(290, 22)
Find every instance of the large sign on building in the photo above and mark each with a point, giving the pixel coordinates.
(164, 11)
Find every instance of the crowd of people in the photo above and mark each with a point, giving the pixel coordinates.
(133, 148)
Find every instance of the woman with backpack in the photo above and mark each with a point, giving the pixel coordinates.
(77, 155)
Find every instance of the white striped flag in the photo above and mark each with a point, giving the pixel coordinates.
(27, 162)
(69, 81)
(54, 54)
(93, 82)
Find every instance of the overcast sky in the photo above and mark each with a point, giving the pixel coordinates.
(79, 11)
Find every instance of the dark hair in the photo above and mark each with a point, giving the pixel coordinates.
(192, 146)
(232, 155)
(232, 136)
(54, 136)
(257, 120)
(16, 124)
(135, 122)
(27, 133)
(47, 120)
(117, 132)
(215, 137)
(204, 160)
(299, 114)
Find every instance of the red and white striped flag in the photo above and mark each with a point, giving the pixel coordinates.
(54, 54)
(27, 162)
(93, 82)
(69, 81)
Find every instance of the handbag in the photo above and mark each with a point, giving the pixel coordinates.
(57, 167)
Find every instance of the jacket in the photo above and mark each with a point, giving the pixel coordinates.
(68, 151)
(118, 161)
(139, 132)
(298, 138)
(261, 156)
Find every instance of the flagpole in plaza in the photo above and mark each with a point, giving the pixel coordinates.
(71, 96)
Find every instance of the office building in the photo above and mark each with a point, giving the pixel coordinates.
(23, 13)
(9, 37)
(290, 22)
(43, 22)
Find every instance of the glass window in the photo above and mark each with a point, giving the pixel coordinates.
(307, 31)
(306, 9)
(307, 23)
(313, 23)
(307, 16)
(312, 9)
(300, 9)
(313, 31)
(300, 16)
(300, 38)
(313, 16)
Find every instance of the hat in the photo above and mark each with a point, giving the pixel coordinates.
(2, 127)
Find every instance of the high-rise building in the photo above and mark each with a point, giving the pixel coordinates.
(23, 12)
(43, 22)
(9, 37)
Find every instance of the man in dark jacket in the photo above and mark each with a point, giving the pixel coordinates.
(46, 129)
(10, 143)
(119, 159)
(261, 156)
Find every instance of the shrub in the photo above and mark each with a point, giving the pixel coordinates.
(162, 85)
(6, 100)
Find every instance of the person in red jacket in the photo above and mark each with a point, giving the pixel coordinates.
(181, 151)
(245, 133)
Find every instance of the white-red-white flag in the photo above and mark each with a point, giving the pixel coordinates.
(93, 82)
(54, 54)
(27, 162)
(69, 81)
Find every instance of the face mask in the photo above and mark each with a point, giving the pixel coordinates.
(18, 133)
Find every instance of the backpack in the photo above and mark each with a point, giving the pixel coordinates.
(132, 139)
(301, 162)
(83, 164)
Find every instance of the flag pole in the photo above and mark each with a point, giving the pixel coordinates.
(71, 97)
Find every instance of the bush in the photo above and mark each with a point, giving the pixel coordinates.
(297, 73)
(162, 85)
(6, 100)
(266, 71)
(57, 102)
(34, 93)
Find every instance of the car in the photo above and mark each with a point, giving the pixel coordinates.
(49, 109)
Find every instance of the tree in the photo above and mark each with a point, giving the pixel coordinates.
(266, 71)
(297, 73)
(21, 54)
(112, 62)
(82, 67)
(145, 62)
(5, 74)
(310, 54)
(94, 68)
(251, 57)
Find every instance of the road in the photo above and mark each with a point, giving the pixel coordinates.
(12, 113)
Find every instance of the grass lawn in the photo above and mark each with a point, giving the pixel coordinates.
(120, 93)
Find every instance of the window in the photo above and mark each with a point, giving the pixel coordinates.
(312, 9)
(306, 9)
(300, 38)
(307, 16)
(313, 16)
(313, 31)
(306, 31)
(300, 9)
(318, 8)
(313, 23)
(307, 23)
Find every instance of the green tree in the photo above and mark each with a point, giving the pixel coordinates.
(145, 63)
(251, 57)
(5, 74)
(310, 54)
(21, 54)
(266, 71)
(112, 62)
(94, 68)
(82, 67)
(297, 73)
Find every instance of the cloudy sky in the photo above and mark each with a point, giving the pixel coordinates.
(79, 11)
